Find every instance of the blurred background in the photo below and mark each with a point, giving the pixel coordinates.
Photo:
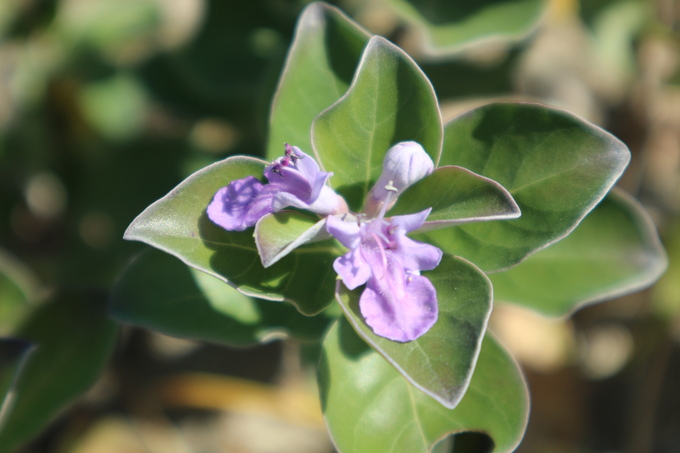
(106, 105)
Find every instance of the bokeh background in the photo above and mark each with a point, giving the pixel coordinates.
(106, 105)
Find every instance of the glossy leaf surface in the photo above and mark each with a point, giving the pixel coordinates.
(556, 166)
(441, 361)
(615, 250)
(177, 224)
(74, 338)
(370, 407)
(456, 196)
(159, 292)
(390, 100)
(319, 68)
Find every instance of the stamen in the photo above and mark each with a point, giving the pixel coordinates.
(392, 192)
(277, 169)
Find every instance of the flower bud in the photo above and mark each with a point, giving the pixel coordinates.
(405, 163)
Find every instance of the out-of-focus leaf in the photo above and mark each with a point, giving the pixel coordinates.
(440, 363)
(13, 355)
(456, 196)
(446, 26)
(319, 68)
(390, 100)
(614, 250)
(178, 224)
(73, 338)
(160, 293)
(556, 166)
(370, 407)
(18, 287)
(115, 107)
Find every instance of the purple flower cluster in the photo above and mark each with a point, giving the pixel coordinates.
(397, 303)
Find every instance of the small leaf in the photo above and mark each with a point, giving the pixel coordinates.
(73, 338)
(441, 361)
(448, 26)
(370, 407)
(615, 250)
(456, 196)
(321, 61)
(556, 166)
(278, 234)
(390, 100)
(13, 355)
(177, 224)
(158, 292)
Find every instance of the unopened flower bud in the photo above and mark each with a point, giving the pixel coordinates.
(405, 163)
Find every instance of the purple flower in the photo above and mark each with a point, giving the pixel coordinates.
(294, 180)
(398, 303)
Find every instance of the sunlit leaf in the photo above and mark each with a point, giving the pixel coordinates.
(319, 68)
(370, 407)
(614, 250)
(159, 292)
(556, 166)
(441, 361)
(390, 100)
(456, 196)
(278, 234)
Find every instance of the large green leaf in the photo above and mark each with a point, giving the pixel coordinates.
(13, 355)
(390, 100)
(556, 166)
(158, 292)
(456, 196)
(441, 361)
(370, 407)
(74, 338)
(319, 68)
(177, 224)
(446, 25)
(615, 250)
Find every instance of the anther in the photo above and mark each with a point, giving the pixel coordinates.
(390, 187)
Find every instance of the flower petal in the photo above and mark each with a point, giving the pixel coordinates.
(348, 233)
(417, 256)
(400, 314)
(240, 204)
(409, 222)
(352, 269)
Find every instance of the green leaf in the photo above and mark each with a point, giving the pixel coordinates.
(615, 250)
(278, 234)
(73, 338)
(456, 196)
(556, 166)
(370, 407)
(177, 224)
(441, 361)
(158, 292)
(390, 100)
(319, 68)
(13, 355)
(447, 26)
